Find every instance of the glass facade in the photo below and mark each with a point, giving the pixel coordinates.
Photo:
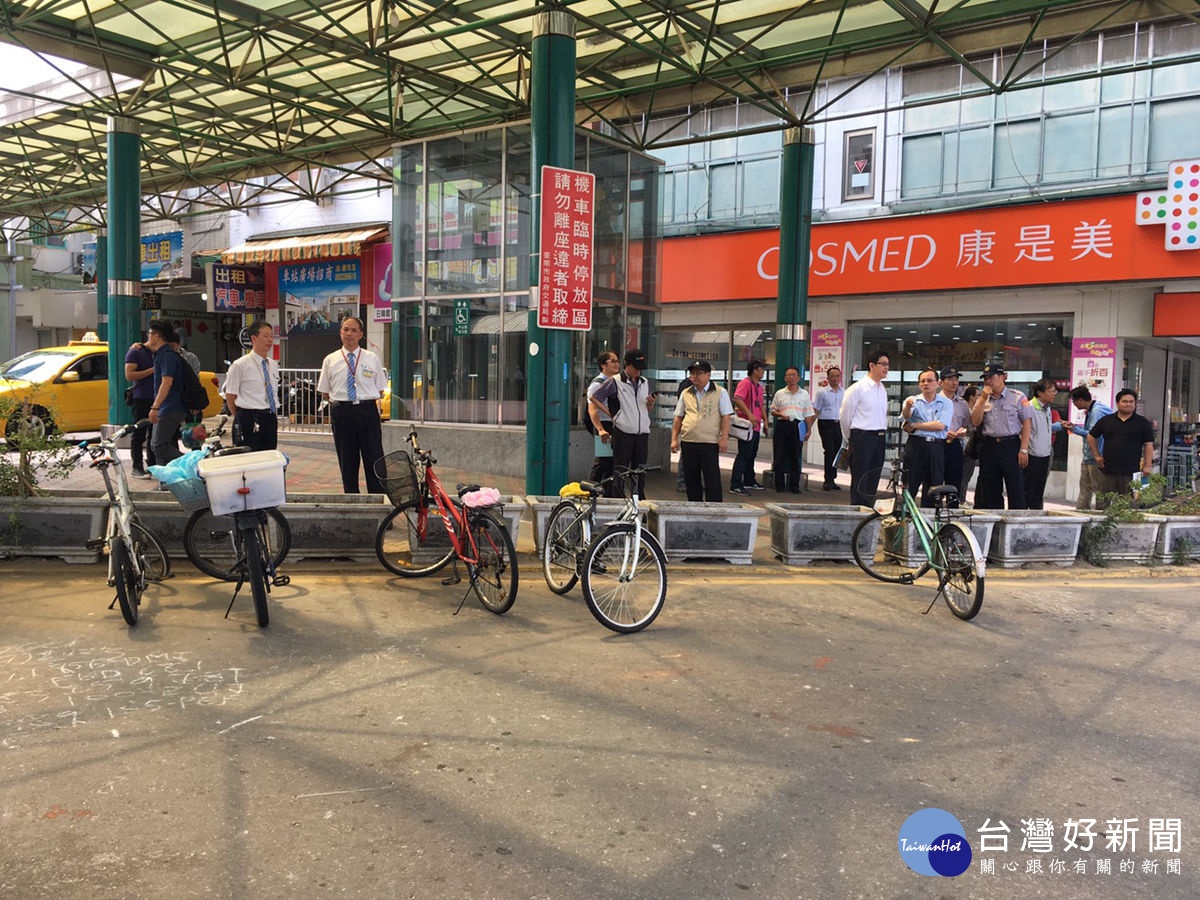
(1029, 348)
(463, 227)
(1064, 120)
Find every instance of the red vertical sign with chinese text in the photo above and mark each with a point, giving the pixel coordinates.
(567, 228)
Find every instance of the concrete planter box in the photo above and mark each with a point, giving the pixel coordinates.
(705, 530)
(335, 526)
(541, 505)
(803, 532)
(982, 524)
(1132, 541)
(324, 526)
(52, 526)
(1023, 536)
(1178, 538)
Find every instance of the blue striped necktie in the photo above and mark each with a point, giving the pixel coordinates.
(351, 388)
(270, 389)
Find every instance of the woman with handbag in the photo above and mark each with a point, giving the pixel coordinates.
(970, 451)
(748, 401)
(794, 414)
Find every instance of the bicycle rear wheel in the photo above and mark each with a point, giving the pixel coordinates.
(625, 578)
(962, 582)
(887, 547)
(126, 579)
(412, 541)
(211, 542)
(258, 571)
(151, 554)
(494, 577)
(568, 532)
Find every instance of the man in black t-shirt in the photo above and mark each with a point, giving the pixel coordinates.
(1128, 446)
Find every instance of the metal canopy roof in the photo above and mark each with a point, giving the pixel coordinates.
(241, 98)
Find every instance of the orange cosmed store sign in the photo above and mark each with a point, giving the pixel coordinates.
(1063, 242)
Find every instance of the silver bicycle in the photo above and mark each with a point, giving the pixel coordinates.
(136, 557)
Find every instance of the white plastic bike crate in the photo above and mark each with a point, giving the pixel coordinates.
(243, 481)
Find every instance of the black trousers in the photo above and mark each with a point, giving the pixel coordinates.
(257, 429)
(1034, 477)
(999, 474)
(866, 465)
(358, 436)
(788, 463)
(142, 437)
(954, 467)
(831, 441)
(924, 466)
(629, 452)
(701, 464)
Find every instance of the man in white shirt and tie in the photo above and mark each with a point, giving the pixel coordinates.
(353, 381)
(252, 392)
(864, 417)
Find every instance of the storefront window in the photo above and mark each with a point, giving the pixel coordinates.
(1030, 348)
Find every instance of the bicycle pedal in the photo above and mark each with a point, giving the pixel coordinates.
(95, 544)
(453, 579)
(281, 581)
(907, 578)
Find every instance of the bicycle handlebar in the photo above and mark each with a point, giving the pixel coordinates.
(425, 456)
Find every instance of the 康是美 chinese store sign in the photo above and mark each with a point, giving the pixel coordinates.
(1067, 242)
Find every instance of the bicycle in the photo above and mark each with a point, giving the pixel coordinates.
(211, 542)
(136, 557)
(899, 545)
(428, 529)
(224, 538)
(623, 568)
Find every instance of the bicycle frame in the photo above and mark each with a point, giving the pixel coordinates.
(454, 515)
(925, 532)
(120, 517)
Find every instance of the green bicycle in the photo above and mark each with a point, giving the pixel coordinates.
(899, 545)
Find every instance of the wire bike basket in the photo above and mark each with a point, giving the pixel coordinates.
(399, 477)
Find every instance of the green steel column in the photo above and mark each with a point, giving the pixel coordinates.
(124, 255)
(398, 370)
(552, 107)
(795, 232)
(102, 290)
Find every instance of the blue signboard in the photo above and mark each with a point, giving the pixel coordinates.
(162, 256)
(316, 296)
(238, 289)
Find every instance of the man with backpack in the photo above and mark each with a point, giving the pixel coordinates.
(168, 410)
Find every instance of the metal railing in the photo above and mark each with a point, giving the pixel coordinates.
(301, 408)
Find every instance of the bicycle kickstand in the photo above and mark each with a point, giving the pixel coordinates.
(937, 596)
(241, 581)
(454, 578)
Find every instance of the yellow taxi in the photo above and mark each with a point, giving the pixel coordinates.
(67, 388)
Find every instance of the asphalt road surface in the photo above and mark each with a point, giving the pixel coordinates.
(768, 736)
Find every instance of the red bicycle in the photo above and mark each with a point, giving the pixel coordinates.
(429, 528)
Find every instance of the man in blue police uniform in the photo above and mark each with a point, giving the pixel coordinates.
(1002, 415)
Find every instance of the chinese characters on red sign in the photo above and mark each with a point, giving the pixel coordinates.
(565, 285)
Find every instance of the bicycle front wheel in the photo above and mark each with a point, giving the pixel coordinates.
(258, 571)
(494, 576)
(211, 543)
(412, 541)
(625, 578)
(150, 552)
(568, 532)
(887, 547)
(126, 579)
(962, 582)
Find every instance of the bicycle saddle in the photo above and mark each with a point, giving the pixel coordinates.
(947, 491)
(466, 488)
